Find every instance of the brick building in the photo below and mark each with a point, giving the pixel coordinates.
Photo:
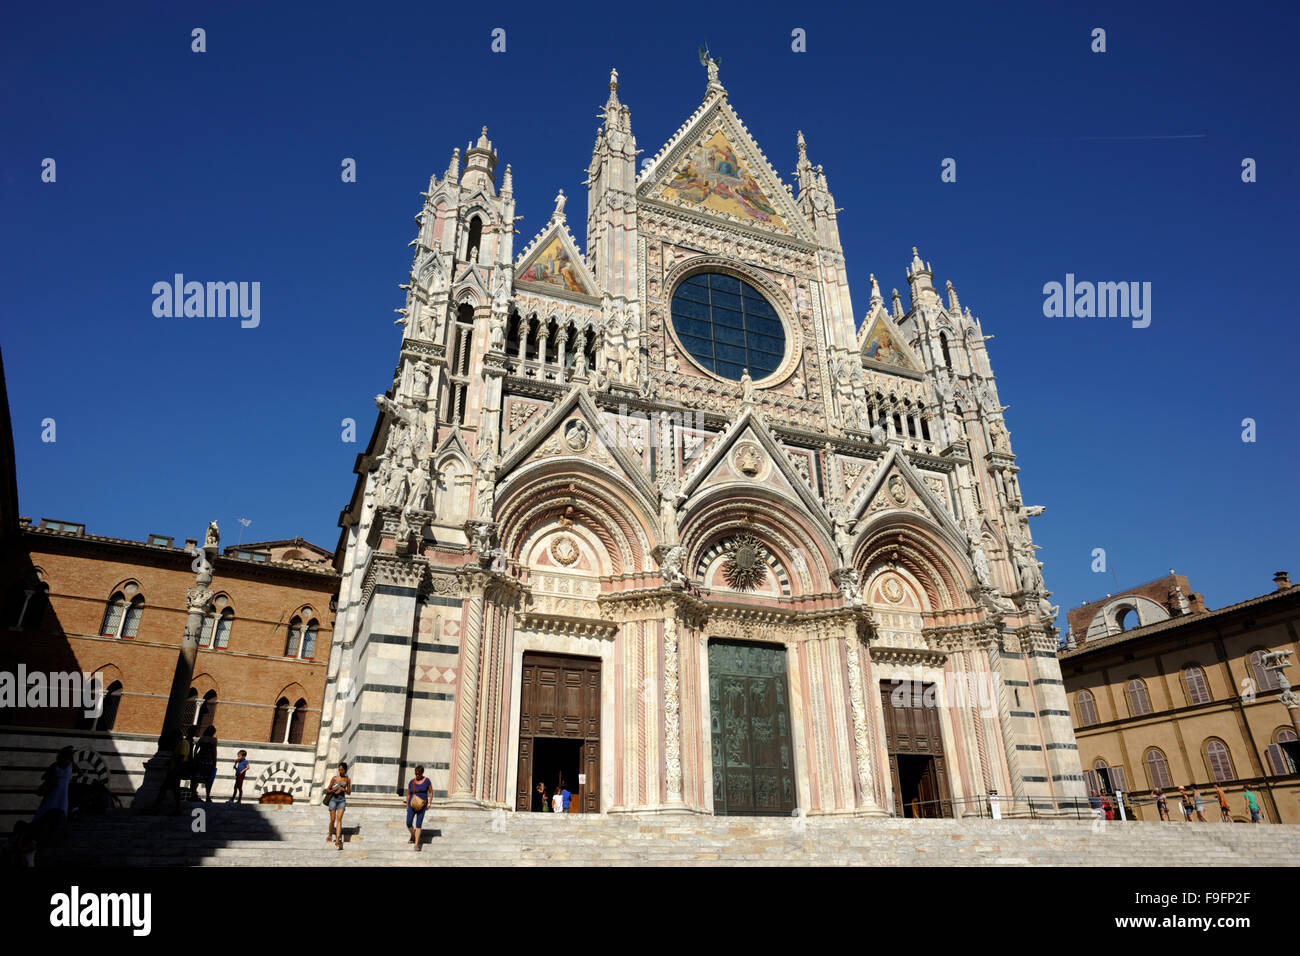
(1165, 693)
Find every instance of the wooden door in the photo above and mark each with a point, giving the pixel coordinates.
(753, 766)
(911, 727)
(560, 698)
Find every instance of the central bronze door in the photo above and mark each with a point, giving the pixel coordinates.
(559, 730)
(749, 709)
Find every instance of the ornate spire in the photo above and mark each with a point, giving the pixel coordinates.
(453, 168)
(507, 181)
(954, 306)
(876, 298)
(898, 305)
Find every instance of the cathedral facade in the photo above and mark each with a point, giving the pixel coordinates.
(659, 521)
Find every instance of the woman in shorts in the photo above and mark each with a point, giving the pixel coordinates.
(336, 801)
(418, 792)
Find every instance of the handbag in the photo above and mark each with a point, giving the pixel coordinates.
(417, 803)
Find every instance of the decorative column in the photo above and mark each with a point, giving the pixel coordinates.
(858, 705)
(561, 340)
(542, 329)
(466, 730)
(672, 710)
(199, 599)
(525, 324)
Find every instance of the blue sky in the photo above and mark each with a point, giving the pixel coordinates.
(1122, 166)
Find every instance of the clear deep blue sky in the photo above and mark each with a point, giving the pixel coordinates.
(225, 166)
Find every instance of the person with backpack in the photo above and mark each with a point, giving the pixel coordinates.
(418, 792)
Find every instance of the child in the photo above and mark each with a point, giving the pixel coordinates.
(241, 770)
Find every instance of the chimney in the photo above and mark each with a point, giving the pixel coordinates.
(1282, 579)
(191, 544)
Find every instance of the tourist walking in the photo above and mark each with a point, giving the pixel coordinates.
(557, 800)
(417, 801)
(54, 789)
(241, 771)
(1200, 805)
(205, 763)
(1162, 805)
(1224, 815)
(1186, 803)
(540, 803)
(336, 801)
(1252, 804)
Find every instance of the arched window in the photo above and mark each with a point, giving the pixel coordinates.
(221, 629)
(301, 641)
(1105, 779)
(188, 712)
(206, 713)
(1198, 692)
(112, 701)
(475, 238)
(297, 719)
(280, 722)
(1282, 751)
(25, 606)
(1157, 769)
(122, 617)
(1127, 619)
(1139, 703)
(1087, 707)
(943, 345)
(1218, 761)
(1265, 678)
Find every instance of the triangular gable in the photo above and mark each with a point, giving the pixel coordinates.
(881, 496)
(713, 164)
(782, 474)
(546, 430)
(552, 259)
(454, 443)
(883, 344)
(470, 275)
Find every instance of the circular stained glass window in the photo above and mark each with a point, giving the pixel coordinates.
(727, 326)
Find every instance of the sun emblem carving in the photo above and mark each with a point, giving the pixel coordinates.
(745, 564)
(564, 550)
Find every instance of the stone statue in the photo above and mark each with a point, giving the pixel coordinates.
(497, 333)
(396, 486)
(799, 388)
(671, 569)
(560, 200)
(418, 499)
(746, 388)
(213, 537)
(423, 375)
(877, 434)
(981, 563)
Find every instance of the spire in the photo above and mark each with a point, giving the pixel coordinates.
(919, 275)
(480, 162)
(898, 306)
(453, 168)
(507, 182)
(954, 306)
(877, 299)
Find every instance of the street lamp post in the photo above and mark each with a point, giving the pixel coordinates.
(199, 599)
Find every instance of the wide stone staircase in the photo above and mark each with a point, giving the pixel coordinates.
(256, 835)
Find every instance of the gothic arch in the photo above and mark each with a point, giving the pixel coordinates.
(917, 545)
(800, 544)
(540, 495)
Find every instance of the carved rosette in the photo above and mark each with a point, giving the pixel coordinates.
(745, 565)
(672, 707)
